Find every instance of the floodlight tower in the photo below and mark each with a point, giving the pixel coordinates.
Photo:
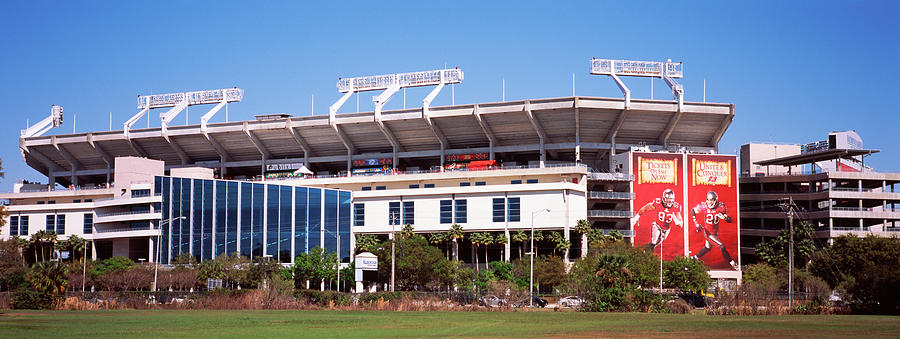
(54, 120)
(179, 101)
(390, 84)
(668, 71)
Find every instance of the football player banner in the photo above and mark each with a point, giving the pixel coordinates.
(659, 207)
(712, 207)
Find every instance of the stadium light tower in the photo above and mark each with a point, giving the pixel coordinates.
(668, 71)
(390, 84)
(54, 120)
(179, 101)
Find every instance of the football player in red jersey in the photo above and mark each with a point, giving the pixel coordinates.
(668, 212)
(712, 211)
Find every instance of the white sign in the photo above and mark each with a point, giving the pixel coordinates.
(284, 167)
(366, 263)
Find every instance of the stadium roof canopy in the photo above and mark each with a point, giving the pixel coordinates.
(808, 158)
(560, 124)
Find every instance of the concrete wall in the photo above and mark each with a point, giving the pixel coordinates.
(751, 153)
(193, 173)
(134, 170)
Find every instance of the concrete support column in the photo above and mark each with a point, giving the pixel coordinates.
(152, 250)
(507, 245)
(612, 152)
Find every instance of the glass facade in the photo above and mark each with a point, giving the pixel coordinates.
(409, 213)
(499, 210)
(88, 223)
(253, 220)
(51, 221)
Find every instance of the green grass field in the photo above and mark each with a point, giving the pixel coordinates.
(210, 324)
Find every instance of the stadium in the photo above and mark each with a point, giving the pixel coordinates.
(280, 185)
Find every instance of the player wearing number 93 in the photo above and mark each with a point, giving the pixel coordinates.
(712, 211)
(668, 212)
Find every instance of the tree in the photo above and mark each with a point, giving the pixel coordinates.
(775, 250)
(48, 277)
(520, 237)
(479, 239)
(583, 227)
(502, 240)
(314, 266)
(366, 243)
(12, 267)
(439, 238)
(686, 274)
(114, 264)
(549, 271)
(558, 241)
(867, 268)
(456, 234)
(406, 231)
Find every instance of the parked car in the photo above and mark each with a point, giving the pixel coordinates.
(570, 301)
(539, 302)
(492, 301)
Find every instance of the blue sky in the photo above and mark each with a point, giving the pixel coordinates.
(794, 70)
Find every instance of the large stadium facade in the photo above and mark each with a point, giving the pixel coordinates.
(280, 185)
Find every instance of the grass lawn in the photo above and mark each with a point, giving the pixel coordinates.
(256, 323)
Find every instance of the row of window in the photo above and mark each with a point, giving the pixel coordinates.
(461, 184)
(451, 211)
(18, 225)
(52, 202)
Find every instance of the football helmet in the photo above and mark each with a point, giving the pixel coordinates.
(668, 198)
(712, 199)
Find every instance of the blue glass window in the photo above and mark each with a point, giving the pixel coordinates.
(515, 182)
(344, 225)
(197, 232)
(409, 213)
(60, 224)
(88, 223)
(315, 218)
(380, 188)
(185, 241)
(157, 185)
(465, 184)
(513, 207)
(359, 214)
(367, 188)
(246, 217)
(51, 223)
(414, 186)
(221, 217)
(285, 222)
(23, 225)
(232, 219)
(14, 225)
(272, 221)
(480, 183)
(301, 209)
(208, 221)
(394, 213)
(499, 209)
(258, 214)
(446, 211)
(331, 220)
(461, 211)
(176, 213)
(166, 228)
(531, 181)
(429, 185)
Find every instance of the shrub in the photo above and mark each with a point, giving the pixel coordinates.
(25, 297)
(679, 306)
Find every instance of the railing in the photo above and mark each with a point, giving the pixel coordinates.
(624, 233)
(113, 214)
(609, 213)
(124, 229)
(852, 209)
(428, 171)
(610, 195)
(610, 176)
(75, 188)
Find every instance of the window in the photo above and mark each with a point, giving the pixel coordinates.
(394, 213)
(88, 200)
(380, 188)
(499, 210)
(429, 185)
(515, 182)
(414, 186)
(367, 188)
(513, 209)
(480, 183)
(14, 225)
(359, 214)
(465, 184)
(61, 224)
(409, 212)
(76, 201)
(51, 223)
(88, 223)
(140, 193)
(51, 202)
(446, 211)
(41, 202)
(461, 212)
(531, 181)
(23, 225)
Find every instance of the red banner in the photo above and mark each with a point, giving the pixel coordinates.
(659, 202)
(712, 208)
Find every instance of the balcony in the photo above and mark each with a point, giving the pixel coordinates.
(126, 216)
(609, 214)
(611, 195)
(123, 232)
(624, 233)
(110, 202)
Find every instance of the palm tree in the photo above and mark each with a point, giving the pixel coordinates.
(555, 238)
(22, 243)
(583, 227)
(456, 234)
(407, 231)
(538, 236)
(439, 238)
(37, 241)
(486, 240)
(49, 277)
(478, 239)
(76, 244)
(520, 237)
(366, 243)
(502, 240)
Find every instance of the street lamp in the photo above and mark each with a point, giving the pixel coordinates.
(531, 278)
(338, 267)
(158, 249)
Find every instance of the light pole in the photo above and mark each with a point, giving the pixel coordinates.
(531, 276)
(789, 207)
(338, 268)
(393, 253)
(158, 249)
